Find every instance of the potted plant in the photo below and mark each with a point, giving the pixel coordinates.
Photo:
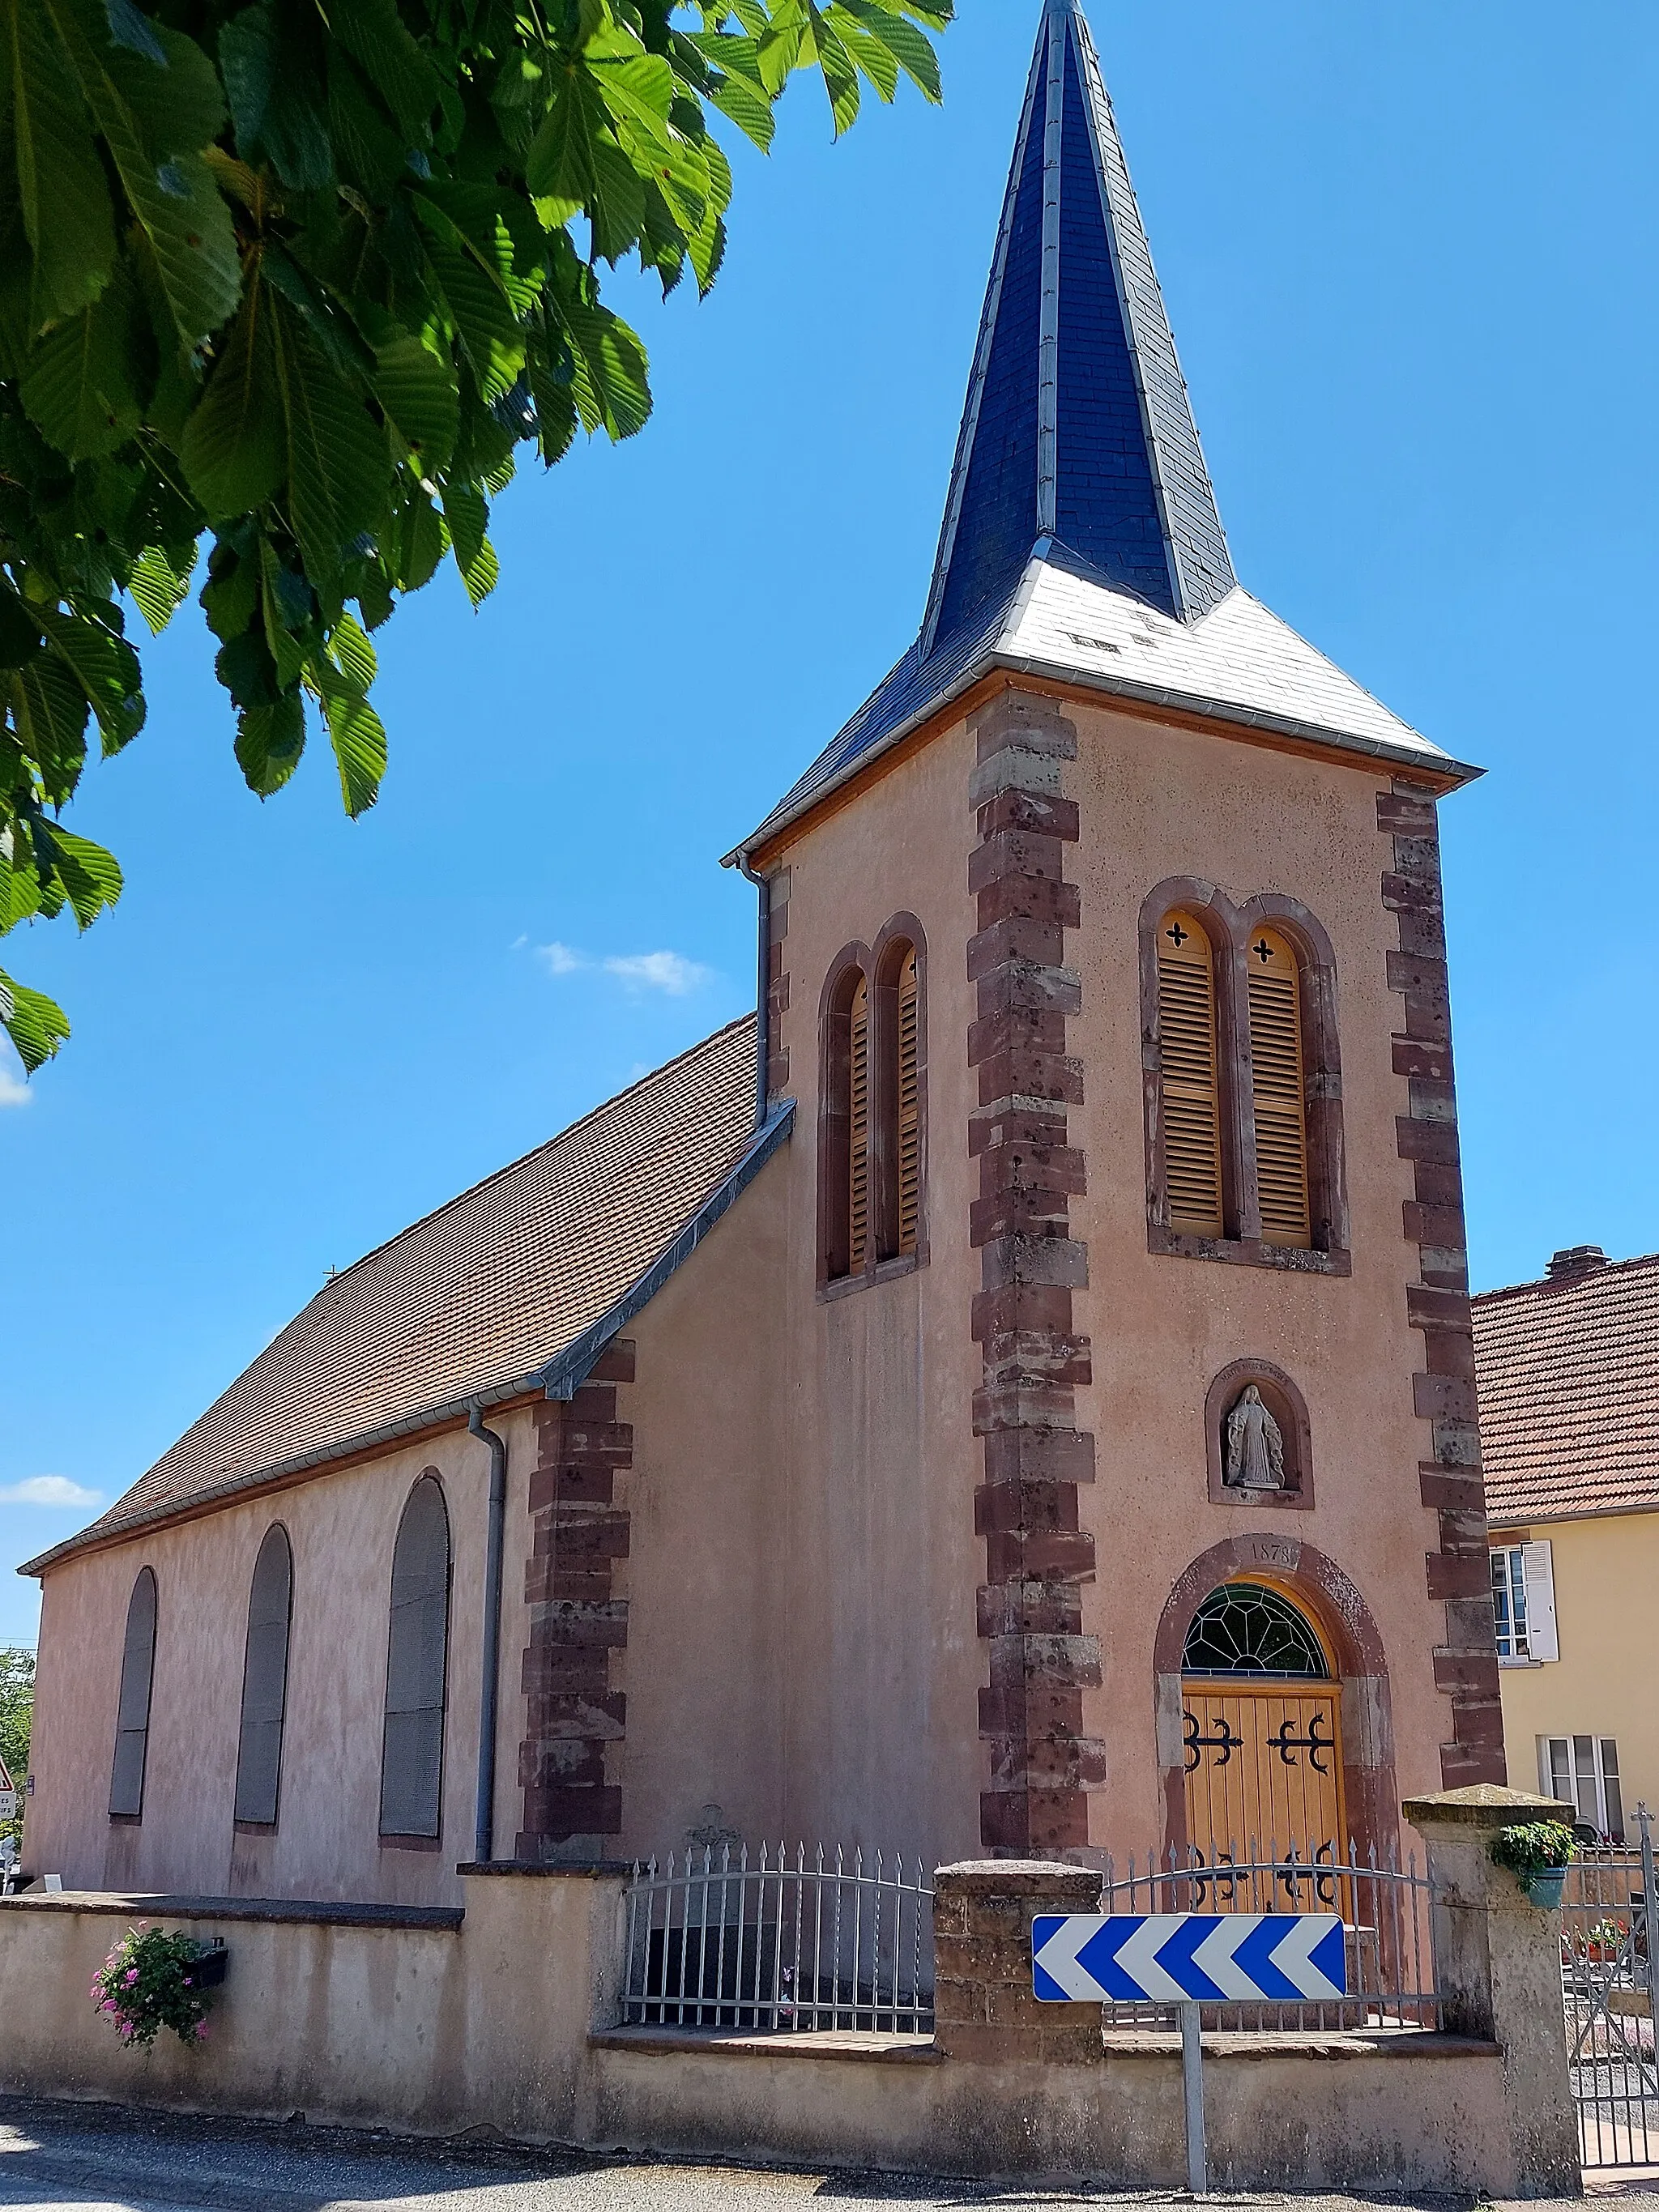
(153, 1980)
(1538, 1854)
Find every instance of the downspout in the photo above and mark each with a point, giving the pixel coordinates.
(483, 1828)
(762, 993)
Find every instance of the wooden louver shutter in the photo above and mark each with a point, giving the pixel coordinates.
(411, 1769)
(858, 1162)
(126, 1782)
(1192, 1098)
(265, 1680)
(1279, 1090)
(909, 1090)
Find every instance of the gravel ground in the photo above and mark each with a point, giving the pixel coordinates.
(100, 2158)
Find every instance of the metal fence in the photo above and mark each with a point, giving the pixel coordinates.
(1608, 1912)
(782, 1944)
(1386, 1915)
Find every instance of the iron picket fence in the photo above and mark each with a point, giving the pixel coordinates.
(1386, 1912)
(781, 1944)
(1610, 1910)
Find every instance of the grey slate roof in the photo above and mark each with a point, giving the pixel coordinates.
(486, 1298)
(1080, 508)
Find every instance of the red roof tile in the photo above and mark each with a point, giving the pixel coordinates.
(1569, 1374)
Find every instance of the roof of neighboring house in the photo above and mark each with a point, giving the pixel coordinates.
(1569, 1374)
(1081, 539)
(513, 1286)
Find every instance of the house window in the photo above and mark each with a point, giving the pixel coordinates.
(1188, 1062)
(412, 1758)
(872, 1108)
(1524, 1603)
(1278, 1089)
(1244, 1080)
(264, 1681)
(1583, 1771)
(126, 1784)
(907, 1090)
(858, 1164)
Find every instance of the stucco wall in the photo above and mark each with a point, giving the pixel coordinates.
(433, 2031)
(341, 1527)
(1606, 1573)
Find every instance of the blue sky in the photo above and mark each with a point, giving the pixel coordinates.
(1408, 250)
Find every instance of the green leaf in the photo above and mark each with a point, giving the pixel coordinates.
(352, 654)
(60, 181)
(268, 743)
(466, 511)
(35, 1023)
(155, 123)
(91, 877)
(77, 384)
(159, 589)
(50, 712)
(339, 473)
(422, 541)
(373, 34)
(232, 447)
(358, 737)
(910, 47)
(277, 103)
(419, 393)
(105, 668)
(489, 330)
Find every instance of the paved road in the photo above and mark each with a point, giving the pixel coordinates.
(88, 2158)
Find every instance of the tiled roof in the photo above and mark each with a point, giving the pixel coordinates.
(481, 1296)
(1569, 1374)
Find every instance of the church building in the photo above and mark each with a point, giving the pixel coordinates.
(1013, 1394)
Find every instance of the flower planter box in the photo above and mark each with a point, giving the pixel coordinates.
(210, 1970)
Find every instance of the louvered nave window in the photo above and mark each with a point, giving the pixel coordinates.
(1279, 1090)
(264, 1681)
(412, 1761)
(858, 1162)
(126, 1781)
(1191, 1091)
(908, 1091)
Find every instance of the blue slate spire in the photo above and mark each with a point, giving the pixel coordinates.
(1077, 429)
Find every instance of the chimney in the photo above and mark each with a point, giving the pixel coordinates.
(1577, 1259)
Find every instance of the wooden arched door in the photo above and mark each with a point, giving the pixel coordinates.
(1261, 1719)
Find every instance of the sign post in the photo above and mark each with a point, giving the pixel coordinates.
(1189, 1959)
(7, 1794)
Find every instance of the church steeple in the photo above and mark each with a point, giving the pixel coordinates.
(1077, 428)
(1081, 542)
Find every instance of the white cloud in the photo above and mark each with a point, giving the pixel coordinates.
(560, 960)
(49, 1490)
(671, 973)
(14, 1092)
(659, 971)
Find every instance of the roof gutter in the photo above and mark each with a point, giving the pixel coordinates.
(1438, 767)
(561, 1377)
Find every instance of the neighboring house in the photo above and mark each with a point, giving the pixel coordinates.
(1013, 1392)
(1569, 1376)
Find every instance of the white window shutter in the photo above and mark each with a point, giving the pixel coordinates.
(1538, 1564)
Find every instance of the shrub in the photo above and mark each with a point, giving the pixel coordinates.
(147, 1983)
(1533, 1847)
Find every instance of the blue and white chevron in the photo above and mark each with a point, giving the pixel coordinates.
(1165, 1958)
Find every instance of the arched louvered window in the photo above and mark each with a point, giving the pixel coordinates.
(412, 1760)
(858, 1140)
(126, 1782)
(1189, 1074)
(1280, 1091)
(908, 1096)
(265, 1680)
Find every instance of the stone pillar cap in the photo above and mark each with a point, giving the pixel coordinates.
(1484, 1805)
(1008, 1874)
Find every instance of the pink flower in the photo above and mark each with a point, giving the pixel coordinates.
(126, 2031)
(186, 1981)
(131, 1976)
(201, 2031)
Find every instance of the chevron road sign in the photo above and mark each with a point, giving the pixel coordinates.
(1172, 1958)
